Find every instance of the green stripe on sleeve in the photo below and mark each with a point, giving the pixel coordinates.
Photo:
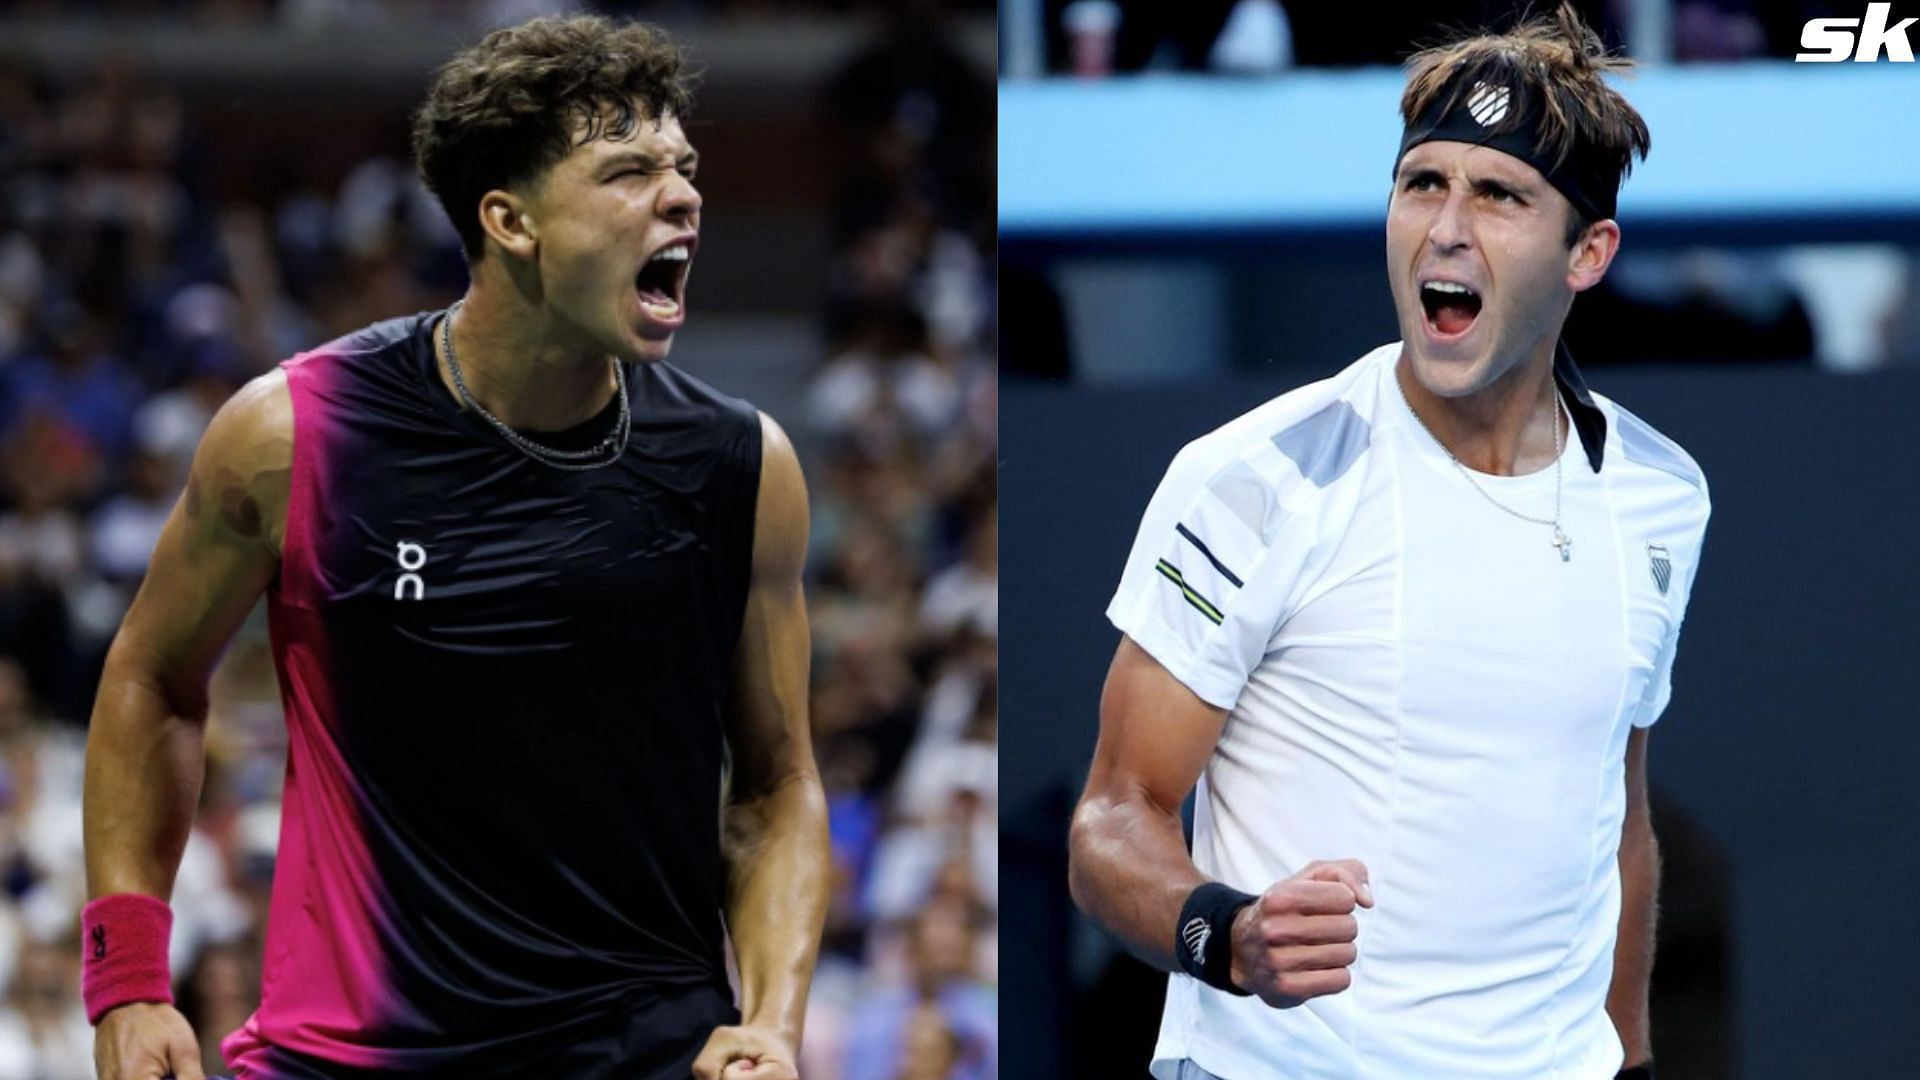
(1200, 603)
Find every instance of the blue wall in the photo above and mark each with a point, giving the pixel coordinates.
(1733, 145)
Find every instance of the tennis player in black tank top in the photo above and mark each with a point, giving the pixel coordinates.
(535, 597)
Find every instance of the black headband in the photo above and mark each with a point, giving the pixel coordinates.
(1506, 119)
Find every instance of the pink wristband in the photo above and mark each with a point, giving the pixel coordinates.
(124, 949)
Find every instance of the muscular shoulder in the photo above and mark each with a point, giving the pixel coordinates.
(242, 469)
(781, 518)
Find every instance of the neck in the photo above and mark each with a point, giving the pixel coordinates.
(1507, 428)
(517, 371)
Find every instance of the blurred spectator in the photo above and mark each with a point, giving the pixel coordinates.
(43, 1030)
(220, 990)
(1704, 30)
(942, 1019)
(1696, 305)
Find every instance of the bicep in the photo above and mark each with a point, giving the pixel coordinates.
(216, 554)
(768, 719)
(1156, 734)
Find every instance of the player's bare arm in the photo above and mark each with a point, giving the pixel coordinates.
(1128, 864)
(776, 818)
(1639, 911)
(217, 554)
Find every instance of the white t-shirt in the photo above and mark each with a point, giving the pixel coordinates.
(1417, 680)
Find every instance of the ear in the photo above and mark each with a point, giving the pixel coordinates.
(506, 220)
(1592, 254)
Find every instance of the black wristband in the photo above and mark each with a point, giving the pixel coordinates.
(1642, 1071)
(1204, 939)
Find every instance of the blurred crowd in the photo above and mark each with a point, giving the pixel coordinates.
(905, 583)
(321, 13)
(133, 302)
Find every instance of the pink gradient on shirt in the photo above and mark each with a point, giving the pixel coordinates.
(324, 984)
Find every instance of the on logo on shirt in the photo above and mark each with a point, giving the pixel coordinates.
(412, 557)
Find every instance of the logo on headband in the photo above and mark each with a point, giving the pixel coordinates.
(1488, 104)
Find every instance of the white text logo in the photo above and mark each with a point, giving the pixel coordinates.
(412, 557)
(1832, 40)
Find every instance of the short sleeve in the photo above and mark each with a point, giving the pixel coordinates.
(1660, 689)
(1193, 593)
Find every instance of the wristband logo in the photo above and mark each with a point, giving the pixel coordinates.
(1832, 40)
(99, 941)
(1195, 934)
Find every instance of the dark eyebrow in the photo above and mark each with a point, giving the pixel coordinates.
(1495, 183)
(624, 158)
(1410, 173)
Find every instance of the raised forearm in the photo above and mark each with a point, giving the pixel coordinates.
(1633, 949)
(145, 763)
(777, 874)
(1129, 870)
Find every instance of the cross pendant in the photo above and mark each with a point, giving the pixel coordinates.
(1564, 543)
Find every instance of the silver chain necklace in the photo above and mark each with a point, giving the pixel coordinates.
(609, 448)
(1560, 539)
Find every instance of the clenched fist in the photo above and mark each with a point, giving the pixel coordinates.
(1297, 941)
(146, 1042)
(746, 1053)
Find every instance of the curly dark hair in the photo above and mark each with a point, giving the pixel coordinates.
(503, 112)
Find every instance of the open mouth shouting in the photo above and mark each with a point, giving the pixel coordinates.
(1451, 308)
(661, 283)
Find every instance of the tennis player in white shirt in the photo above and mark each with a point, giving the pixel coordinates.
(1407, 629)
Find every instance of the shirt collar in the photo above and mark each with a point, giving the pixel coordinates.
(1588, 420)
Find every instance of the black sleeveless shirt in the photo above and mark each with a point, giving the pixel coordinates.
(504, 686)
